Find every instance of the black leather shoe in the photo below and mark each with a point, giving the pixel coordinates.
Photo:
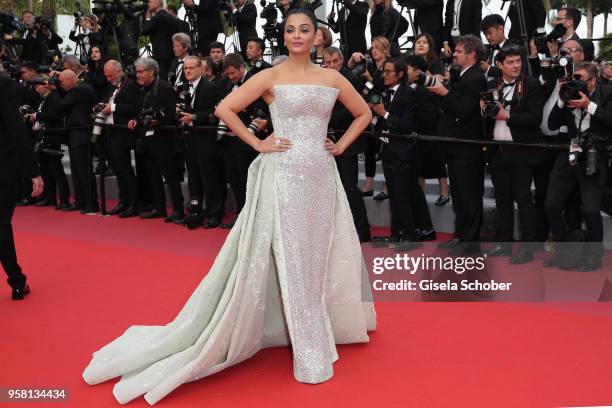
(118, 208)
(465, 248)
(550, 262)
(44, 203)
(442, 200)
(23, 202)
(522, 256)
(426, 235)
(386, 239)
(588, 265)
(382, 196)
(212, 222)
(128, 212)
(228, 225)
(19, 294)
(175, 216)
(498, 250)
(449, 244)
(153, 214)
(145, 209)
(61, 205)
(74, 207)
(90, 210)
(367, 193)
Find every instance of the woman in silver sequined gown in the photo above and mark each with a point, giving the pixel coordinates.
(291, 270)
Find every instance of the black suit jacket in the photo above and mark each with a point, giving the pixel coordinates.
(470, 17)
(535, 16)
(75, 107)
(461, 117)
(209, 21)
(182, 26)
(383, 22)
(204, 103)
(245, 23)
(15, 151)
(524, 122)
(428, 16)
(160, 29)
(127, 105)
(341, 118)
(48, 107)
(601, 122)
(402, 119)
(160, 95)
(353, 27)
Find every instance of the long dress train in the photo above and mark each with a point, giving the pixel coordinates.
(291, 271)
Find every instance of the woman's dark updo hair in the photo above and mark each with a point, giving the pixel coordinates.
(300, 9)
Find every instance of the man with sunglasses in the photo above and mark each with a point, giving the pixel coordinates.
(589, 122)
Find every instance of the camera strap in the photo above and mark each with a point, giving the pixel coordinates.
(519, 90)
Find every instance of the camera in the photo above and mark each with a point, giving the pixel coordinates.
(541, 39)
(26, 110)
(270, 14)
(370, 95)
(42, 147)
(42, 23)
(148, 115)
(10, 24)
(571, 90)
(426, 79)
(589, 144)
(492, 99)
(99, 122)
(259, 114)
(42, 81)
(557, 67)
(366, 64)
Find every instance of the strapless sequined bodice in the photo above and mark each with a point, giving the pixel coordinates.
(301, 113)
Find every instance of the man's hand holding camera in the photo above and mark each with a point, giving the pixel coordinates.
(438, 89)
(582, 103)
(378, 108)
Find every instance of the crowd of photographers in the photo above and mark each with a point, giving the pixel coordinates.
(158, 113)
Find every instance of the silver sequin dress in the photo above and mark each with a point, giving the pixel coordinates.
(290, 272)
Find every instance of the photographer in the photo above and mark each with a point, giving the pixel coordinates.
(209, 23)
(181, 45)
(237, 154)
(347, 162)
(39, 42)
(462, 17)
(397, 114)
(217, 53)
(535, 17)
(72, 63)
(202, 154)
(123, 104)
(15, 154)
(585, 107)
(159, 145)
(461, 119)
(76, 107)
(513, 111)
(431, 160)
(351, 24)
(254, 52)
(428, 19)
(90, 35)
(569, 18)
(160, 26)
(50, 164)
(605, 75)
(370, 66)
(182, 26)
(387, 22)
(245, 14)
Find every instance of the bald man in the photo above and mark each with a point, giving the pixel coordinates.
(124, 103)
(76, 107)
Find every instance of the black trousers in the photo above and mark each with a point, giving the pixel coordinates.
(541, 179)
(372, 148)
(564, 179)
(164, 166)
(349, 174)
(8, 256)
(512, 182)
(466, 176)
(237, 164)
(54, 169)
(121, 160)
(409, 209)
(145, 192)
(85, 191)
(205, 175)
(164, 66)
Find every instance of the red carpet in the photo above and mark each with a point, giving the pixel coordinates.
(92, 277)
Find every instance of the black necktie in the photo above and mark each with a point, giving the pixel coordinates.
(387, 98)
